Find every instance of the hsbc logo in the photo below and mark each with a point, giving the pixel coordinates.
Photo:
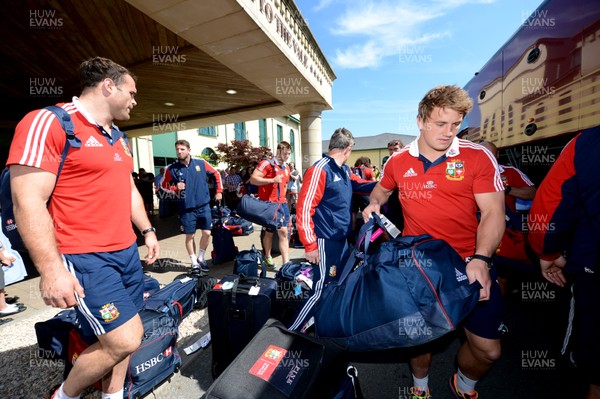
(148, 364)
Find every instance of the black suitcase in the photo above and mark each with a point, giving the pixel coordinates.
(279, 364)
(238, 307)
(224, 248)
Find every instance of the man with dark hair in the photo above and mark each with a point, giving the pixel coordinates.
(78, 229)
(186, 178)
(323, 217)
(442, 182)
(272, 176)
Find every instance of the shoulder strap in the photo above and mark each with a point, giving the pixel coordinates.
(67, 124)
(72, 141)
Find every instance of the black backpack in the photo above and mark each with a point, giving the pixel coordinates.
(9, 227)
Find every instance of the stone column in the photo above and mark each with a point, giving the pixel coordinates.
(310, 133)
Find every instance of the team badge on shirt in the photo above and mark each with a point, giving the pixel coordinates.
(197, 168)
(455, 170)
(332, 271)
(109, 312)
(125, 146)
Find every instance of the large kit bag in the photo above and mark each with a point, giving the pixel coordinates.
(280, 364)
(264, 213)
(9, 228)
(178, 298)
(224, 248)
(157, 358)
(249, 262)
(238, 306)
(410, 291)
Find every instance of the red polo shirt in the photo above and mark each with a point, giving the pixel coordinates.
(268, 192)
(91, 203)
(440, 201)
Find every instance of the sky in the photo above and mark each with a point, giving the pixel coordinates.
(387, 54)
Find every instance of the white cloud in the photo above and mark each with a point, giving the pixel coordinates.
(380, 28)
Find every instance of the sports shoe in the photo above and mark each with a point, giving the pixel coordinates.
(418, 393)
(52, 392)
(269, 262)
(195, 271)
(204, 266)
(461, 395)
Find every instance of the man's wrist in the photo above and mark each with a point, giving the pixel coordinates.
(484, 258)
(149, 230)
(507, 189)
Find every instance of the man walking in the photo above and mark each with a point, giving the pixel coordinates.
(272, 176)
(186, 178)
(442, 182)
(78, 228)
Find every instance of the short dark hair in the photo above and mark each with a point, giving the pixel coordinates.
(95, 70)
(284, 145)
(182, 142)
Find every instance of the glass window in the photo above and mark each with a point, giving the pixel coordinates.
(279, 133)
(240, 131)
(208, 131)
(262, 133)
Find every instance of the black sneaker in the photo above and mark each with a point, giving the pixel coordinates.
(204, 267)
(195, 271)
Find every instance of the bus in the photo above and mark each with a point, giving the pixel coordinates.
(541, 87)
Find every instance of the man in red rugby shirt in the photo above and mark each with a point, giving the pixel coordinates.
(78, 229)
(442, 182)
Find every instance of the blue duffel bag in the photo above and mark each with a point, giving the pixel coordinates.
(409, 291)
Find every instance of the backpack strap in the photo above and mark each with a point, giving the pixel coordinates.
(67, 124)
(72, 141)
(275, 166)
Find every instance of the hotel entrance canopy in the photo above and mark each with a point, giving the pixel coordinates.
(187, 55)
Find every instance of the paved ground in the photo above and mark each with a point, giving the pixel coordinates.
(530, 367)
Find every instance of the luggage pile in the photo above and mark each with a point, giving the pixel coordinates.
(157, 358)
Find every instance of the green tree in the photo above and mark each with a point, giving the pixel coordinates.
(242, 153)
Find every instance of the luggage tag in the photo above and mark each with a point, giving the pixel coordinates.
(308, 281)
(227, 285)
(297, 290)
(254, 290)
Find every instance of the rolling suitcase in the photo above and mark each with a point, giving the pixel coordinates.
(224, 248)
(280, 364)
(238, 306)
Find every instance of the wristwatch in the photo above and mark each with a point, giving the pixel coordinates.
(148, 230)
(484, 258)
(507, 189)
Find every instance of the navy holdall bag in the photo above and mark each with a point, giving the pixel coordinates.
(409, 291)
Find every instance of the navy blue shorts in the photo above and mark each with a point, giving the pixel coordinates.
(114, 288)
(486, 319)
(193, 219)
